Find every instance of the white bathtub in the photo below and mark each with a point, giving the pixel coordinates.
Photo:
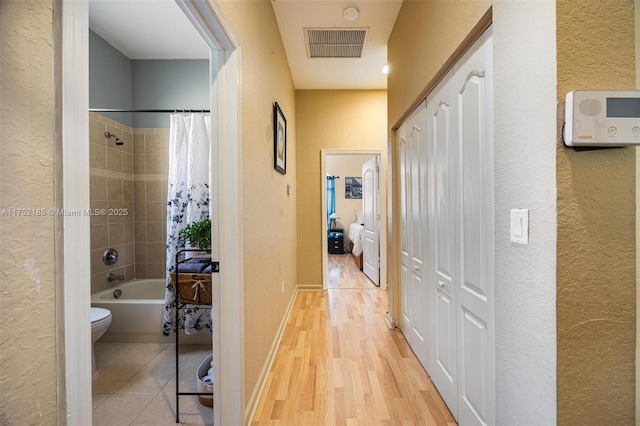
(136, 316)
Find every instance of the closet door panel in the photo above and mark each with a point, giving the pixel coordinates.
(418, 218)
(403, 192)
(442, 241)
(475, 292)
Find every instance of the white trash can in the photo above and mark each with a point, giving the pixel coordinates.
(205, 381)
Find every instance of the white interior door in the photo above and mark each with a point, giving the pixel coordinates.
(473, 117)
(442, 166)
(371, 244)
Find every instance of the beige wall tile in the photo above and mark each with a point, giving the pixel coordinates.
(156, 270)
(127, 163)
(114, 208)
(114, 159)
(97, 205)
(127, 190)
(116, 234)
(138, 144)
(141, 270)
(140, 190)
(139, 164)
(96, 132)
(98, 187)
(99, 236)
(156, 211)
(97, 157)
(114, 189)
(97, 266)
(129, 216)
(155, 232)
(127, 138)
(139, 211)
(129, 234)
(156, 252)
(153, 164)
(140, 231)
(155, 192)
(140, 255)
(153, 144)
(130, 272)
(128, 253)
(163, 188)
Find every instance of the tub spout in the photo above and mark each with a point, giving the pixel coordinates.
(113, 277)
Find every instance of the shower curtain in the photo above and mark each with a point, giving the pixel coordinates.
(188, 200)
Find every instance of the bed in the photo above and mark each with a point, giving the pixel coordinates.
(356, 241)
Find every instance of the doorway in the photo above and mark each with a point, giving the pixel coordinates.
(349, 209)
(73, 246)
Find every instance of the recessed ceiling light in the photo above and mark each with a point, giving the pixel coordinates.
(351, 13)
(385, 69)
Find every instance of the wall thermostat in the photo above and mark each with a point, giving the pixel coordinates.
(602, 118)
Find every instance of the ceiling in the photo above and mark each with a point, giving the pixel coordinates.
(158, 29)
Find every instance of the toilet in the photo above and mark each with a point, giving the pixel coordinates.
(100, 321)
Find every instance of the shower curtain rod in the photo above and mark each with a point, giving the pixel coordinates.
(164, 111)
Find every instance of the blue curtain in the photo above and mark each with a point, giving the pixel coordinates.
(331, 199)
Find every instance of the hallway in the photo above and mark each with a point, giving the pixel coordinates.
(338, 363)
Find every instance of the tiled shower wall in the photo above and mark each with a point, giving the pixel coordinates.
(111, 190)
(130, 180)
(150, 165)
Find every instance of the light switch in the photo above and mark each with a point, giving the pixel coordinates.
(520, 226)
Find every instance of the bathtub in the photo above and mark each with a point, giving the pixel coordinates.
(136, 316)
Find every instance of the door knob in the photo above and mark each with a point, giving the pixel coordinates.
(441, 283)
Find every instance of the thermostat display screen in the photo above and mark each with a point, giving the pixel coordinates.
(623, 107)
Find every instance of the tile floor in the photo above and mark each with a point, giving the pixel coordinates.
(136, 385)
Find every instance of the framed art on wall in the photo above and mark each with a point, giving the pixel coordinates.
(279, 139)
(353, 187)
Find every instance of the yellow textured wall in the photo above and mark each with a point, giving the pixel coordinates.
(330, 119)
(596, 290)
(269, 214)
(27, 281)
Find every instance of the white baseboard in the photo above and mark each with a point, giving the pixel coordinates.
(252, 405)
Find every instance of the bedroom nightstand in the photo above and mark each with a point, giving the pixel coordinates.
(336, 241)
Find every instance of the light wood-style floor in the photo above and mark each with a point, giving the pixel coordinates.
(339, 364)
(343, 273)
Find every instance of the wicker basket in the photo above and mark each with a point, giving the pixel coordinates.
(193, 289)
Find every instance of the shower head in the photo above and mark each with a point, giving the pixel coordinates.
(118, 140)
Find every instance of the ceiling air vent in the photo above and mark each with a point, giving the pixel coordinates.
(335, 42)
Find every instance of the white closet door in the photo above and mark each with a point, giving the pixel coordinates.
(413, 199)
(371, 247)
(442, 242)
(403, 195)
(473, 85)
(418, 222)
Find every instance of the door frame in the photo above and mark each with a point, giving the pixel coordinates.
(382, 209)
(72, 248)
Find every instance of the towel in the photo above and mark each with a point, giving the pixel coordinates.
(194, 265)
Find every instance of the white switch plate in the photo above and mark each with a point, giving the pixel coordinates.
(520, 226)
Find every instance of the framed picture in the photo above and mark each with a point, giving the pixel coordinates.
(279, 140)
(353, 187)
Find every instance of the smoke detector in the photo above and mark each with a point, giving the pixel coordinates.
(350, 13)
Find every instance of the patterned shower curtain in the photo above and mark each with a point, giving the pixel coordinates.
(188, 200)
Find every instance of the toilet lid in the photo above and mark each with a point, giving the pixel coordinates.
(98, 314)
